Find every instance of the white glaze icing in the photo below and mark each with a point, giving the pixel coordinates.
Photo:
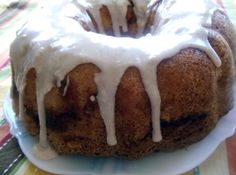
(54, 44)
(66, 87)
(118, 10)
(21, 105)
(92, 98)
(44, 153)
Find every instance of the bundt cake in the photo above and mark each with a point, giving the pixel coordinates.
(123, 78)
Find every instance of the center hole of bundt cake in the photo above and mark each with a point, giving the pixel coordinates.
(131, 24)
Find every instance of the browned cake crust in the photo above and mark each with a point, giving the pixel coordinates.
(194, 95)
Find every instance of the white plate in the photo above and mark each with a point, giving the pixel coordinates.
(160, 163)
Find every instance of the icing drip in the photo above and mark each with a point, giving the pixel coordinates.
(67, 85)
(21, 105)
(155, 99)
(54, 44)
(106, 95)
(42, 122)
(118, 12)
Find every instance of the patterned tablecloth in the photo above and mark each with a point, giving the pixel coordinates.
(13, 14)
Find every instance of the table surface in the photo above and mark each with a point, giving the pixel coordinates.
(13, 14)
